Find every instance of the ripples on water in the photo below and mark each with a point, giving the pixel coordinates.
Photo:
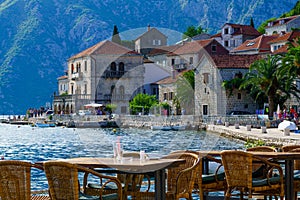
(40, 144)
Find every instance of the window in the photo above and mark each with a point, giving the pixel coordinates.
(239, 96)
(123, 109)
(226, 31)
(226, 43)
(205, 109)
(122, 91)
(85, 89)
(85, 65)
(205, 78)
(156, 42)
(154, 91)
(213, 48)
(191, 60)
(113, 66)
(121, 67)
(173, 61)
(72, 68)
(170, 95)
(165, 96)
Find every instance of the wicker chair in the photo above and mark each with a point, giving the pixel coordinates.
(15, 181)
(64, 184)
(238, 172)
(180, 180)
(131, 183)
(294, 148)
(212, 181)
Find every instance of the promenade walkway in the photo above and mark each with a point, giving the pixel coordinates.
(273, 136)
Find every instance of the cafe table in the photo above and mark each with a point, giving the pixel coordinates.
(131, 165)
(287, 157)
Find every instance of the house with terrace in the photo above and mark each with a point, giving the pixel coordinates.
(283, 25)
(233, 35)
(104, 73)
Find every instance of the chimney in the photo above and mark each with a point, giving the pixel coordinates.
(148, 27)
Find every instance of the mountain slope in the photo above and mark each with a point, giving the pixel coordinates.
(37, 37)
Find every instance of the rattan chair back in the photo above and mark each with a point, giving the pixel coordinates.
(293, 148)
(15, 180)
(262, 149)
(184, 184)
(238, 168)
(62, 180)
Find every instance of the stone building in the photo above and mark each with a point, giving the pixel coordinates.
(233, 35)
(284, 25)
(210, 97)
(259, 45)
(104, 73)
(152, 38)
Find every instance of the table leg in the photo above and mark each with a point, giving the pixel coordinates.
(289, 179)
(160, 185)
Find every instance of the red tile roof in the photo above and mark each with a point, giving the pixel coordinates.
(163, 50)
(170, 79)
(234, 61)
(191, 47)
(260, 44)
(243, 29)
(282, 50)
(286, 20)
(290, 36)
(105, 47)
(62, 77)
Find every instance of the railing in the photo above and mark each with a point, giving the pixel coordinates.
(113, 74)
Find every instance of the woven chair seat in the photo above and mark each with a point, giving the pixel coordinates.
(64, 184)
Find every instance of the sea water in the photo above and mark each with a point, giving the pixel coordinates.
(40, 144)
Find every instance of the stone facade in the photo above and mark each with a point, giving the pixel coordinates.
(152, 38)
(105, 73)
(210, 97)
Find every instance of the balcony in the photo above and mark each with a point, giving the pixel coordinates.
(180, 66)
(113, 74)
(76, 76)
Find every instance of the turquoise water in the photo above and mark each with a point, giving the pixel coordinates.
(40, 144)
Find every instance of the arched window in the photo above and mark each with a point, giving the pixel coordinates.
(121, 67)
(113, 66)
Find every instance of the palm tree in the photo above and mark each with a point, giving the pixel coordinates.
(268, 77)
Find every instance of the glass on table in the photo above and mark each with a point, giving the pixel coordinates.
(118, 150)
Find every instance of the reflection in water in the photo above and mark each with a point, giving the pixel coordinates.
(39, 144)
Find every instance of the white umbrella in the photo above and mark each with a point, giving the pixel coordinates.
(287, 124)
(93, 105)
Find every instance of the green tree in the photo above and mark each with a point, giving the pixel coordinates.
(261, 28)
(252, 22)
(267, 77)
(193, 31)
(292, 58)
(142, 103)
(185, 91)
(111, 107)
(116, 37)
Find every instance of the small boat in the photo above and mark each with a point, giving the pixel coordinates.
(169, 128)
(43, 125)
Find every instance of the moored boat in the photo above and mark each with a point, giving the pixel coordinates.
(169, 127)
